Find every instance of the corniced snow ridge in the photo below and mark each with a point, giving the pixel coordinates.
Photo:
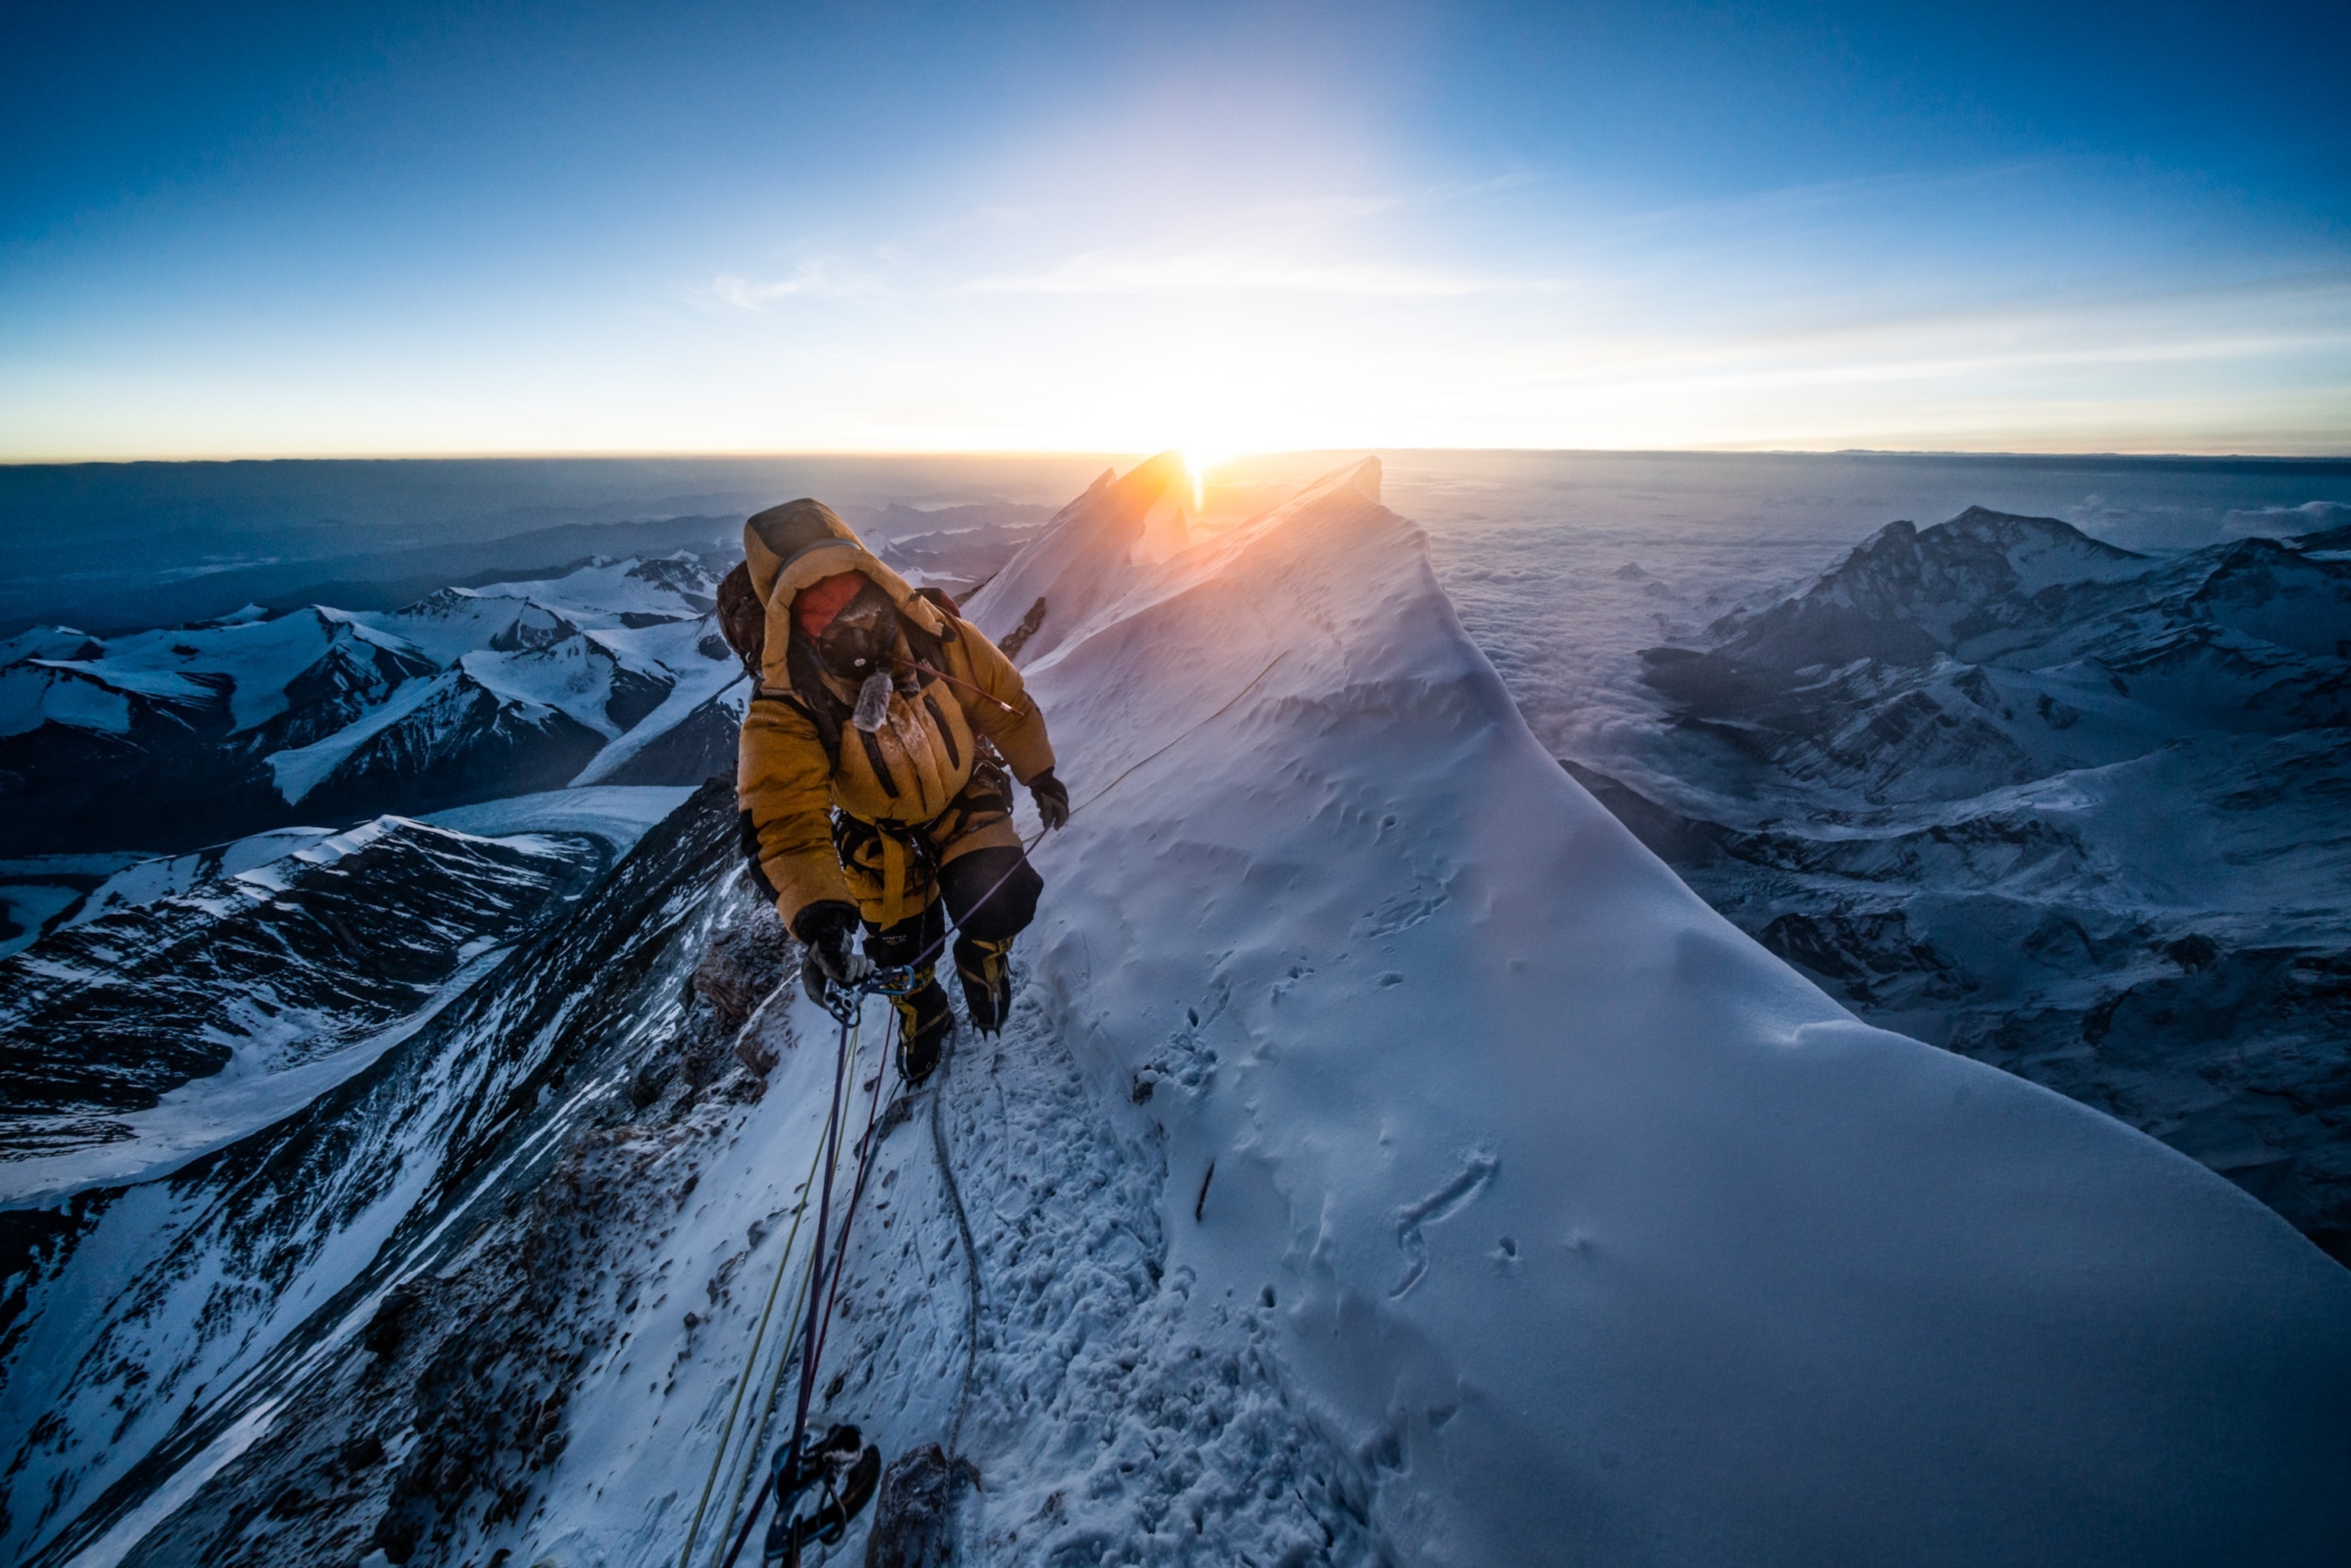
(1388, 1160)
(1606, 1235)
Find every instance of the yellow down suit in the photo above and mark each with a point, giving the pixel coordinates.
(912, 794)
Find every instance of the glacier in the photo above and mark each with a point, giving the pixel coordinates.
(1389, 1159)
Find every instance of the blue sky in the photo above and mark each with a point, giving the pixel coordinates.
(262, 230)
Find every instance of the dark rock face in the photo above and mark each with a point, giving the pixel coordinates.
(442, 1399)
(2081, 814)
(71, 787)
(744, 964)
(702, 745)
(459, 744)
(299, 957)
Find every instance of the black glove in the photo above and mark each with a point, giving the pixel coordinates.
(824, 930)
(1052, 799)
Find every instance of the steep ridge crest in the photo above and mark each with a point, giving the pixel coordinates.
(1600, 1229)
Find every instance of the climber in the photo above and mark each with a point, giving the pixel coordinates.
(878, 704)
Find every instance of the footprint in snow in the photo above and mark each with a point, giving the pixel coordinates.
(1477, 1174)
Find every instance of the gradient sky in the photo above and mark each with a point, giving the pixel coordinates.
(300, 229)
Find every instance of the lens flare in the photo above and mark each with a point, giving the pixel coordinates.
(1197, 460)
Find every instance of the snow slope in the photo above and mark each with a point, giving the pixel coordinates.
(620, 815)
(1392, 1160)
(1388, 1160)
(1616, 1237)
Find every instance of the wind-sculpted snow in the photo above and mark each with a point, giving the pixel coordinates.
(1387, 1160)
(1712, 1273)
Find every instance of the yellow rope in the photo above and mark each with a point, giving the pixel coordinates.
(784, 1358)
(751, 1362)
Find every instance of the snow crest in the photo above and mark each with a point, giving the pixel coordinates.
(1598, 1233)
(1387, 1160)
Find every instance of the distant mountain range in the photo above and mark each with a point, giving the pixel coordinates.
(2080, 813)
(169, 739)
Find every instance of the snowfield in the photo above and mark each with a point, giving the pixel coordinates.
(1389, 1160)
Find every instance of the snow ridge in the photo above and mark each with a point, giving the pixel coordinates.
(1748, 1280)
(1387, 1160)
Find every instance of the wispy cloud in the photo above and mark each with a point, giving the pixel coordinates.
(817, 280)
(1227, 272)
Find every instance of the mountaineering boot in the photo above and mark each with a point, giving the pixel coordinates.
(986, 971)
(923, 1020)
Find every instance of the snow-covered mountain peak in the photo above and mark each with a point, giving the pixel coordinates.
(49, 643)
(465, 693)
(1587, 1214)
(1907, 595)
(1575, 1203)
(1071, 571)
(2040, 551)
(1386, 1160)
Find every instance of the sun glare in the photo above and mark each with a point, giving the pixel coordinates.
(1197, 460)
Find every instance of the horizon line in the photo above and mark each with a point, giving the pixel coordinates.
(1110, 455)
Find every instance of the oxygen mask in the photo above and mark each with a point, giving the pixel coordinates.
(859, 648)
(856, 649)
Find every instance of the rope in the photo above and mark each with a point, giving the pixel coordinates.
(759, 1339)
(1186, 735)
(840, 1251)
(758, 1441)
(971, 1270)
(816, 1325)
(829, 1147)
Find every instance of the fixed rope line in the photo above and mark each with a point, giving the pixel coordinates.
(751, 1362)
(971, 1268)
(1233, 702)
(814, 1322)
(840, 1251)
(829, 1145)
(816, 1325)
(938, 1135)
(749, 1464)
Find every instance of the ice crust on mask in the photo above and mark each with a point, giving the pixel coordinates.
(872, 701)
